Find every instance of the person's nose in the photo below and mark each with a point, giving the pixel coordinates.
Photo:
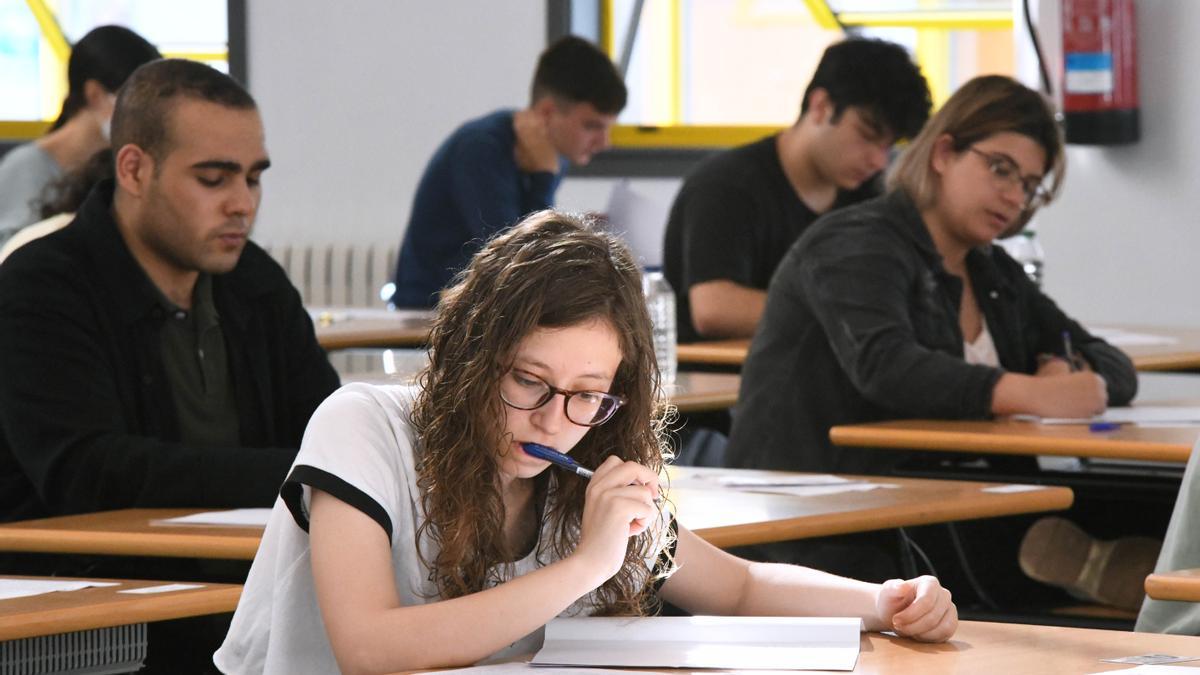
(550, 418)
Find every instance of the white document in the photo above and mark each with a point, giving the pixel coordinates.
(822, 490)
(326, 316)
(234, 517)
(1154, 670)
(165, 588)
(1123, 338)
(1142, 414)
(755, 643)
(1015, 487)
(23, 588)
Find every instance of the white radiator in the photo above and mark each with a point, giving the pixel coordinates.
(337, 275)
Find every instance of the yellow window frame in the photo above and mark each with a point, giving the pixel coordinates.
(932, 27)
(60, 48)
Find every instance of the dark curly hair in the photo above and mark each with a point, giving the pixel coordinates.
(552, 270)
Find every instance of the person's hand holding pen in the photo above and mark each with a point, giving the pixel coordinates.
(1063, 386)
(620, 503)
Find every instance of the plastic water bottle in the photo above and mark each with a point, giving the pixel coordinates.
(1025, 249)
(660, 301)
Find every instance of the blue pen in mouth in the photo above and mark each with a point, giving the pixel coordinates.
(555, 457)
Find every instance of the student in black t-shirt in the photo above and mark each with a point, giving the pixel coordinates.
(740, 211)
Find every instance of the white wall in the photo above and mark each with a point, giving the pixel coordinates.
(356, 96)
(1121, 241)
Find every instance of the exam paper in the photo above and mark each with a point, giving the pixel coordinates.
(756, 643)
(1123, 338)
(797, 485)
(23, 588)
(330, 315)
(1142, 414)
(235, 517)
(165, 588)
(1154, 670)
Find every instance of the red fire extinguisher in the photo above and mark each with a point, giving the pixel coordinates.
(1100, 86)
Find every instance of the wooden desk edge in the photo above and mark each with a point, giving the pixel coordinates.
(130, 609)
(955, 441)
(886, 518)
(155, 544)
(1175, 586)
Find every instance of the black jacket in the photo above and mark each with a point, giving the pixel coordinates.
(861, 324)
(87, 422)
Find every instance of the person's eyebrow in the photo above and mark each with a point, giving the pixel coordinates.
(586, 376)
(230, 165)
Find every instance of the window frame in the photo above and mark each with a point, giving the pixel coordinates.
(13, 132)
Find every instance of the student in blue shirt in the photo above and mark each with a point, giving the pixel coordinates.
(495, 169)
(415, 532)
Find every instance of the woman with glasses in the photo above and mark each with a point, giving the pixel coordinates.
(415, 532)
(902, 307)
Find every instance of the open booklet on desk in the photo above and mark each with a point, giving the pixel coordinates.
(758, 643)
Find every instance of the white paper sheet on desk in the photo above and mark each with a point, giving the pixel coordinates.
(1142, 414)
(1154, 670)
(23, 588)
(234, 517)
(694, 479)
(756, 643)
(1123, 338)
(331, 315)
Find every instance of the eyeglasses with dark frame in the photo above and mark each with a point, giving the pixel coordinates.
(525, 391)
(1007, 172)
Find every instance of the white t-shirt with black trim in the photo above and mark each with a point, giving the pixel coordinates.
(359, 447)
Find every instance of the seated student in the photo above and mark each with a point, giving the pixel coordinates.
(435, 541)
(493, 170)
(739, 211)
(901, 307)
(100, 61)
(61, 199)
(150, 355)
(1180, 551)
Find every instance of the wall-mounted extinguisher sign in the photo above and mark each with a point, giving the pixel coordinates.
(1100, 86)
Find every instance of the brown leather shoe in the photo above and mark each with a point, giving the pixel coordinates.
(1056, 552)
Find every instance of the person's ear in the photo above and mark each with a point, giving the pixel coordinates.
(943, 151)
(545, 107)
(95, 95)
(820, 106)
(134, 168)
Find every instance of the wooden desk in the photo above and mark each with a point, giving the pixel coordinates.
(691, 392)
(346, 328)
(728, 518)
(1183, 585)
(723, 516)
(715, 353)
(981, 648)
(1182, 354)
(1009, 437)
(64, 612)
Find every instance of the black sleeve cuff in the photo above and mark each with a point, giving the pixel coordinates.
(293, 496)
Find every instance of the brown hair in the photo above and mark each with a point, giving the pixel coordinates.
(552, 270)
(984, 106)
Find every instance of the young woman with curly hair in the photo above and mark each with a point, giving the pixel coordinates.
(415, 532)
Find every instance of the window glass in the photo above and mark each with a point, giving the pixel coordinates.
(700, 70)
(33, 73)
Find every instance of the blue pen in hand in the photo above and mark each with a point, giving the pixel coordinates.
(555, 457)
